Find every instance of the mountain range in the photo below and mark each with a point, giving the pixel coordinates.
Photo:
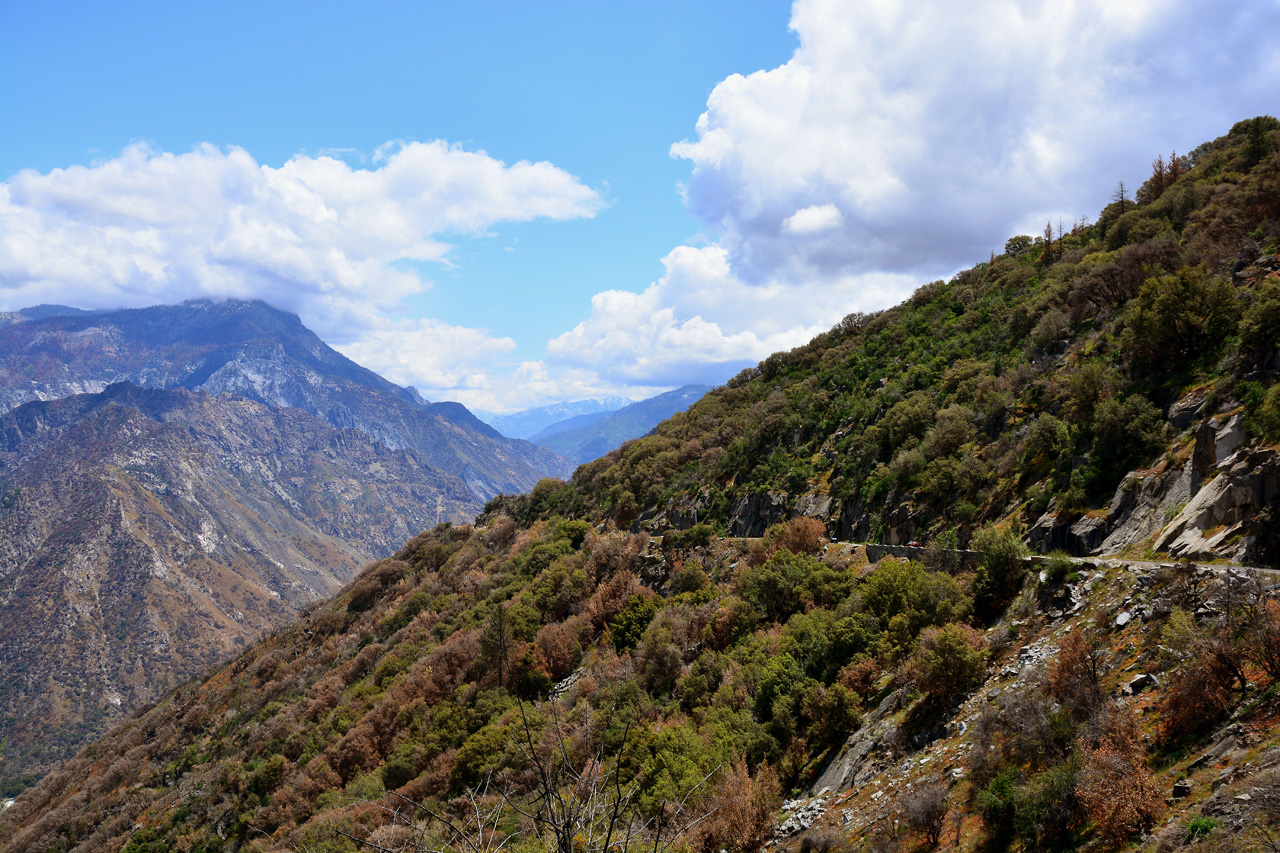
(650, 653)
(530, 422)
(257, 352)
(179, 479)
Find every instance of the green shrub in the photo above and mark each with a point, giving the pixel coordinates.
(691, 577)
(698, 536)
(948, 662)
(1126, 432)
(1057, 568)
(1177, 318)
(1259, 328)
(1000, 568)
(910, 591)
(779, 587)
(628, 626)
(1199, 827)
(1263, 419)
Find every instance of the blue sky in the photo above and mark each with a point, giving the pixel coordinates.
(827, 157)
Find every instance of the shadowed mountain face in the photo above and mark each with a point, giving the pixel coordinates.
(147, 534)
(255, 351)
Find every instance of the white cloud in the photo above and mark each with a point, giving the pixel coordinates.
(899, 143)
(314, 236)
(813, 219)
(433, 356)
(914, 137)
(701, 323)
(902, 142)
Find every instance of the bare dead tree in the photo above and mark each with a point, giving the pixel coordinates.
(1121, 196)
(925, 809)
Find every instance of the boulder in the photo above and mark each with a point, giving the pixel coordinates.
(1216, 440)
(751, 515)
(1225, 505)
(1142, 504)
(1141, 682)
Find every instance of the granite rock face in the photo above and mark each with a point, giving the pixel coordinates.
(1216, 504)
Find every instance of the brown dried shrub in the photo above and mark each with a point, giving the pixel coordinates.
(799, 536)
(861, 676)
(924, 809)
(611, 597)
(614, 552)
(1264, 638)
(743, 809)
(558, 648)
(1198, 696)
(1075, 675)
(499, 534)
(1117, 788)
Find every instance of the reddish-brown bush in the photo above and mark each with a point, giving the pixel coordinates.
(1075, 676)
(1117, 788)
(1198, 695)
(743, 809)
(558, 649)
(799, 536)
(861, 677)
(614, 552)
(610, 597)
(1264, 639)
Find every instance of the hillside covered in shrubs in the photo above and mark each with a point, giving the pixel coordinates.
(668, 652)
(1035, 382)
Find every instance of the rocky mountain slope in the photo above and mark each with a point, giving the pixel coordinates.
(150, 533)
(1099, 705)
(257, 352)
(1090, 387)
(145, 535)
(583, 442)
(659, 649)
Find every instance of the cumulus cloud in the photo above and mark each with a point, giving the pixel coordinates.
(813, 219)
(902, 142)
(315, 236)
(701, 323)
(433, 356)
(899, 143)
(912, 137)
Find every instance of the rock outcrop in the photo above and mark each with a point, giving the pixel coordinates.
(1215, 503)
